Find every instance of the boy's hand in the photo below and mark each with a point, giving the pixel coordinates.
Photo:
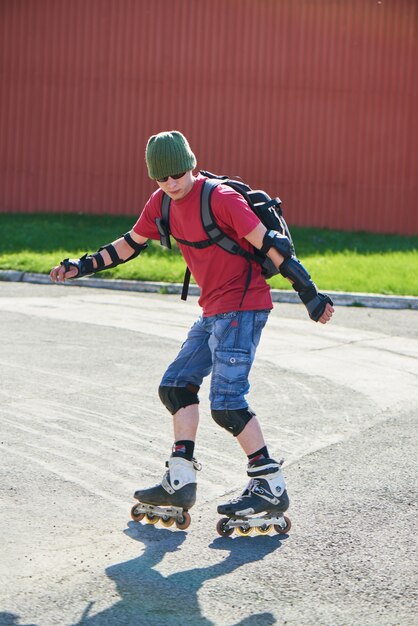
(59, 275)
(327, 314)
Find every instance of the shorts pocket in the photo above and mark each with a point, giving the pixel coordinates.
(224, 324)
(260, 320)
(230, 372)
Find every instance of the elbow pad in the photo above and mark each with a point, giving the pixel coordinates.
(85, 265)
(281, 243)
(314, 301)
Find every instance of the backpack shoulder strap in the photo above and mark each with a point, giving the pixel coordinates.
(163, 222)
(214, 232)
(165, 209)
(209, 224)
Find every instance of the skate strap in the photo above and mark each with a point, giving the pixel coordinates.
(254, 487)
(166, 485)
(263, 467)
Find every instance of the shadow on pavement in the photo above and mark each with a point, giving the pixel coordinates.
(11, 619)
(148, 597)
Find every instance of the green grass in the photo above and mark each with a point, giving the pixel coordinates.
(337, 261)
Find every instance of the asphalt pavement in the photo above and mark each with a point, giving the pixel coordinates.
(81, 427)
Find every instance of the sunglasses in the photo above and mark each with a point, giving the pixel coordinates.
(174, 176)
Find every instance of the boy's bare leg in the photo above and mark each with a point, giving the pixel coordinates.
(251, 438)
(185, 423)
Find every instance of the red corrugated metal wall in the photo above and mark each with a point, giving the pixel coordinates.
(313, 100)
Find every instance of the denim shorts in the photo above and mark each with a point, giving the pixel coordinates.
(223, 345)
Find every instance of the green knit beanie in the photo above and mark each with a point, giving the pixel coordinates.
(168, 153)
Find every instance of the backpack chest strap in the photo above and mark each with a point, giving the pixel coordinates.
(205, 243)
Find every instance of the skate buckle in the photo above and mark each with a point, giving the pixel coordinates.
(165, 484)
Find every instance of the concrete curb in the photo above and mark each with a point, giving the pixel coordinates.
(278, 295)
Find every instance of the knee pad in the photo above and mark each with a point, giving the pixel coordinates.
(233, 420)
(175, 398)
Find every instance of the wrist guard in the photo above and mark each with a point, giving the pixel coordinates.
(281, 243)
(314, 301)
(85, 265)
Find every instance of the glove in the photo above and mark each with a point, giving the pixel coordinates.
(317, 305)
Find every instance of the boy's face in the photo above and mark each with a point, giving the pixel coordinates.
(177, 188)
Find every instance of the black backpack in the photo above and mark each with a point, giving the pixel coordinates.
(268, 211)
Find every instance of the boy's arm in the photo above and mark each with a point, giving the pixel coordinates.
(280, 250)
(119, 251)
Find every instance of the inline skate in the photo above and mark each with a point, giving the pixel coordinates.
(169, 501)
(261, 505)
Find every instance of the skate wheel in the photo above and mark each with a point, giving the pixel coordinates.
(137, 517)
(244, 532)
(263, 530)
(151, 519)
(221, 527)
(167, 521)
(185, 523)
(285, 530)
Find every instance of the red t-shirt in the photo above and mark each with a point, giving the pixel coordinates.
(220, 275)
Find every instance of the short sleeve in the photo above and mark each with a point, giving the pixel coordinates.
(232, 210)
(146, 225)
